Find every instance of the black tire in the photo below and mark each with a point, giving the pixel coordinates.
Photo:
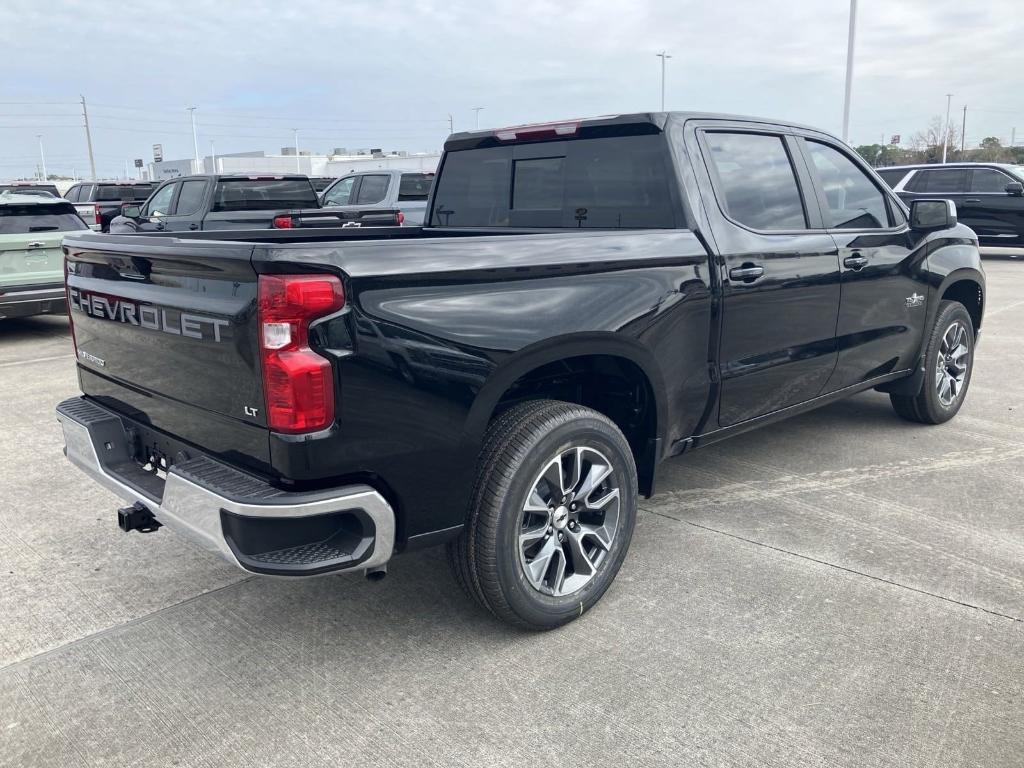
(929, 406)
(486, 558)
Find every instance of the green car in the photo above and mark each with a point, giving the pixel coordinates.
(31, 261)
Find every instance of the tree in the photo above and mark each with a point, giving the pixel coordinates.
(878, 155)
(928, 143)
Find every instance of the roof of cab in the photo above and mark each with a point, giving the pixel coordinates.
(625, 124)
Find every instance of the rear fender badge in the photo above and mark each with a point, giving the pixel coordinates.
(250, 411)
(91, 358)
(915, 300)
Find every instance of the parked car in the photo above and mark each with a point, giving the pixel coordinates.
(30, 188)
(212, 202)
(989, 197)
(99, 202)
(380, 197)
(31, 261)
(586, 299)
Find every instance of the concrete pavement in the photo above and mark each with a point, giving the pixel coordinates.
(843, 589)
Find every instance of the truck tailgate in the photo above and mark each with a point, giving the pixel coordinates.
(168, 337)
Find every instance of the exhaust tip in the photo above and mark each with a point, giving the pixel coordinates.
(377, 574)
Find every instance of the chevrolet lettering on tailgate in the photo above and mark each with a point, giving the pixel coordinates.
(107, 307)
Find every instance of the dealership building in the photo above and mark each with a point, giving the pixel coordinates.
(338, 163)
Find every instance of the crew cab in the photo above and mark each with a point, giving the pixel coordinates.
(31, 262)
(586, 299)
(989, 197)
(380, 197)
(213, 202)
(100, 202)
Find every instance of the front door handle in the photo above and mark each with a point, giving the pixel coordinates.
(972, 200)
(748, 273)
(855, 262)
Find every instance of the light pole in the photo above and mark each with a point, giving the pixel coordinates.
(945, 133)
(451, 123)
(663, 56)
(42, 155)
(213, 155)
(477, 110)
(850, 40)
(296, 132)
(195, 137)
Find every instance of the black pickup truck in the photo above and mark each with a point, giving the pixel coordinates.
(585, 300)
(217, 202)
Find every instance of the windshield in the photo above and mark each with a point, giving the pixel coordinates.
(24, 219)
(263, 194)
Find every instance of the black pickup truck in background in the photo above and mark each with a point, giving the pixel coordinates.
(214, 202)
(586, 299)
(100, 202)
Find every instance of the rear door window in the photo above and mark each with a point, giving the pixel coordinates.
(25, 219)
(949, 181)
(756, 182)
(85, 193)
(414, 186)
(853, 201)
(372, 189)
(621, 182)
(72, 194)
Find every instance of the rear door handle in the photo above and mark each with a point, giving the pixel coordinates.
(855, 262)
(972, 200)
(748, 273)
(193, 226)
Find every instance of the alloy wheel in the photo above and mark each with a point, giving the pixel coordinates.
(569, 521)
(951, 364)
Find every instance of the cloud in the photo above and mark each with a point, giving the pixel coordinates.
(388, 72)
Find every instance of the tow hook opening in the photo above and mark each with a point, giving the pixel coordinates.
(137, 517)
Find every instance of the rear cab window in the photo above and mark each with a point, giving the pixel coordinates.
(616, 182)
(24, 219)
(263, 194)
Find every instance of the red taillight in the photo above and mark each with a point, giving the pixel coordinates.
(399, 218)
(283, 222)
(96, 213)
(298, 383)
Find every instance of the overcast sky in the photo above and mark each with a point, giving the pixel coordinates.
(383, 73)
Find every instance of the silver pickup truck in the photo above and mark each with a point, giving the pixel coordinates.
(380, 197)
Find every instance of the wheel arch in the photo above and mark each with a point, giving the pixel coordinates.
(543, 369)
(966, 286)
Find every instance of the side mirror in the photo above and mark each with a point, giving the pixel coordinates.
(1015, 189)
(131, 211)
(926, 215)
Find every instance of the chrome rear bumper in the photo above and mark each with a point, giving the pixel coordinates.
(250, 523)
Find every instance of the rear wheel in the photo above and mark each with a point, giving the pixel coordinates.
(948, 363)
(552, 514)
